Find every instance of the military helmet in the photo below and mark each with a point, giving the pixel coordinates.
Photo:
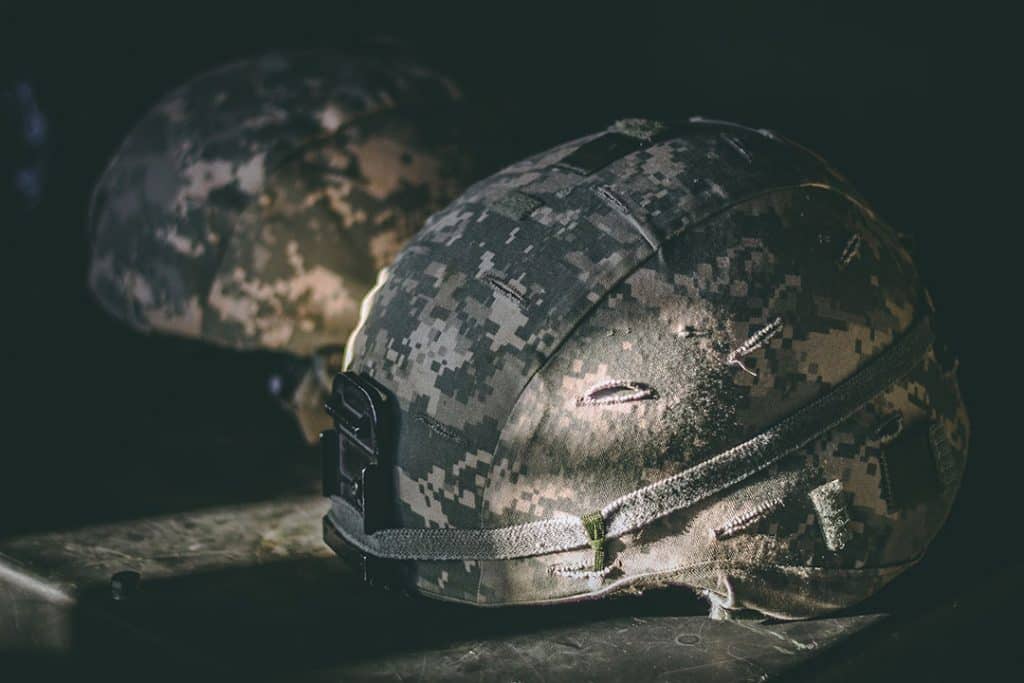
(252, 207)
(663, 354)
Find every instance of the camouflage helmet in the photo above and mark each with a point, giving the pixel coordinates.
(660, 355)
(252, 207)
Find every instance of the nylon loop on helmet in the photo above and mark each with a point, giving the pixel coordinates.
(643, 506)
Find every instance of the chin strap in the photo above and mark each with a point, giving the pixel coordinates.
(643, 506)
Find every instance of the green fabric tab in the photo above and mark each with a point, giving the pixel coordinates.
(594, 524)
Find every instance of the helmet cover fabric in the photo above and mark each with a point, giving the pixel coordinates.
(622, 309)
(253, 206)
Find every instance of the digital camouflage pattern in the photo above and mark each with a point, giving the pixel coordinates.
(625, 306)
(253, 206)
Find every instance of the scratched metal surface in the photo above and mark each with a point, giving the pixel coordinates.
(251, 587)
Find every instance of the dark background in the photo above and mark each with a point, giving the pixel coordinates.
(101, 424)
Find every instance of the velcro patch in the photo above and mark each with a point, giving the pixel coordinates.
(909, 473)
(592, 156)
(829, 502)
(516, 205)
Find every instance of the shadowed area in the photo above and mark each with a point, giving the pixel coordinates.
(135, 435)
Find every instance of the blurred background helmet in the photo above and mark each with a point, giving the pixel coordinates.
(658, 355)
(252, 207)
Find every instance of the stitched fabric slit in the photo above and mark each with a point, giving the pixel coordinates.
(615, 391)
(756, 341)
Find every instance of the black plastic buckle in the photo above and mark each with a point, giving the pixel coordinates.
(355, 462)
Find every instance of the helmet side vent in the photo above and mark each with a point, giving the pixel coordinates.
(505, 288)
(850, 251)
(616, 391)
(737, 147)
(441, 429)
(619, 206)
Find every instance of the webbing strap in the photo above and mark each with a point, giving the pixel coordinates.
(641, 507)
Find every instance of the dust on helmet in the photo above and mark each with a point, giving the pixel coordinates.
(252, 207)
(659, 355)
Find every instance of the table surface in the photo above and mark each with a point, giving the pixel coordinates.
(251, 587)
(222, 520)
